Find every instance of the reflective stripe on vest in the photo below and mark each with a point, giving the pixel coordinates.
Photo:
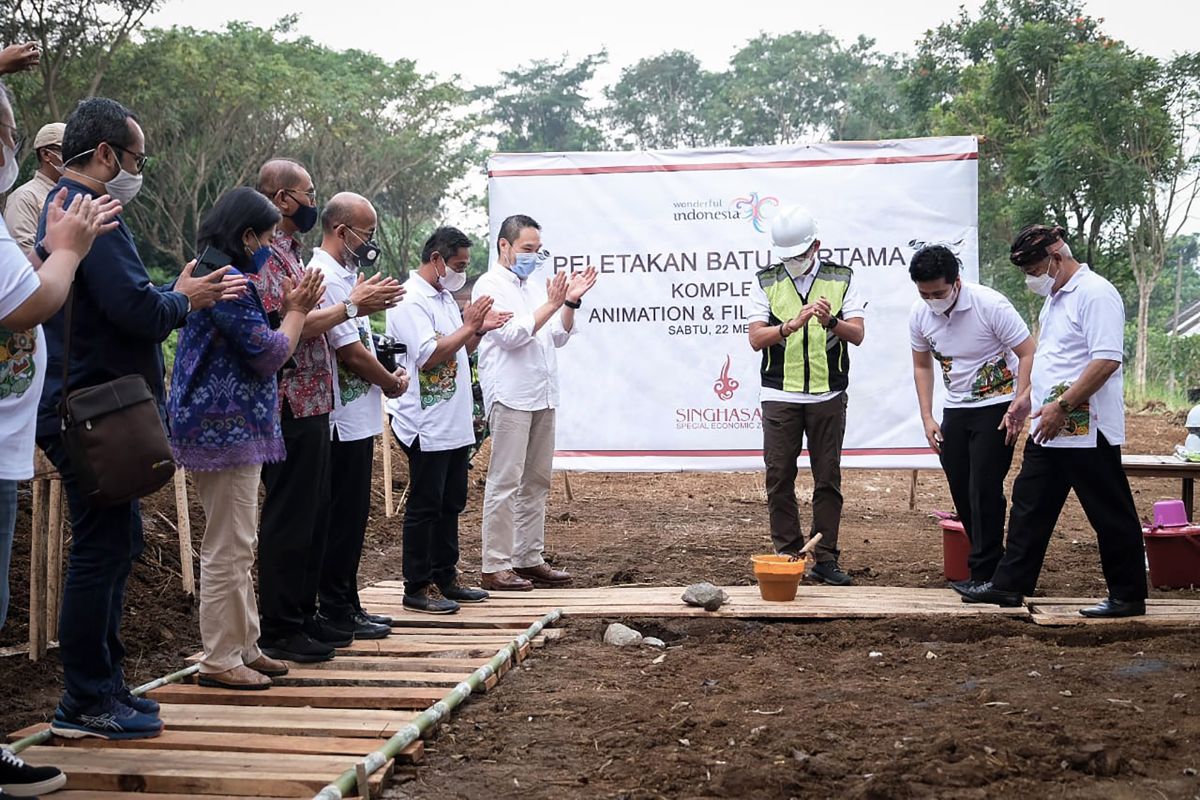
(812, 360)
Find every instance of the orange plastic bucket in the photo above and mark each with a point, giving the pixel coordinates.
(956, 549)
(777, 577)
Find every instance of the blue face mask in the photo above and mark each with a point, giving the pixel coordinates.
(258, 259)
(527, 263)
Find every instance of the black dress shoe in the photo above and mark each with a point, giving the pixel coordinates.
(378, 619)
(829, 572)
(299, 647)
(463, 594)
(987, 593)
(325, 632)
(1112, 607)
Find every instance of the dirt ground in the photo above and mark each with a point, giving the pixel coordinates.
(962, 708)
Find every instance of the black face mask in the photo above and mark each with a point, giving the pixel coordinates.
(367, 253)
(305, 218)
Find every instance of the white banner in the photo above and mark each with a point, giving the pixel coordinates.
(660, 375)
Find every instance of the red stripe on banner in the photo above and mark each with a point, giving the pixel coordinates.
(861, 451)
(728, 165)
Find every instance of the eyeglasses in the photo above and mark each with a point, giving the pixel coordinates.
(311, 194)
(139, 159)
(363, 236)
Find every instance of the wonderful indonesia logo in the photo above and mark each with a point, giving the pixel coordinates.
(752, 207)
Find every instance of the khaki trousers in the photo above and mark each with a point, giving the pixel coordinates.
(518, 483)
(228, 610)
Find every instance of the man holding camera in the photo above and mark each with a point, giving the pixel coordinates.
(433, 419)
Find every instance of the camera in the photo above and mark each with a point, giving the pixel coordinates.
(390, 352)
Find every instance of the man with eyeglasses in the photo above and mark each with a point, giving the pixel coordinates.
(1076, 436)
(294, 522)
(119, 320)
(25, 203)
(348, 245)
(519, 374)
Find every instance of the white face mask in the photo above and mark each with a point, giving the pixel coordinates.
(8, 173)
(452, 281)
(799, 265)
(124, 187)
(1040, 284)
(940, 305)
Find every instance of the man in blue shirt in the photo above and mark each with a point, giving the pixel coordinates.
(119, 321)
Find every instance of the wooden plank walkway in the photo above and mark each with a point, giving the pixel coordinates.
(293, 739)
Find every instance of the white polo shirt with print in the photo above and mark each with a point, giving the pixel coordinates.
(973, 344)
(1082, 321)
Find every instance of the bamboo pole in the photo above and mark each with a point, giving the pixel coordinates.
(567, 482)
(184, 528)
(912, 492)
(348, 780)
(43, 736)
(37, 573)
(54, 559)
(389, 510)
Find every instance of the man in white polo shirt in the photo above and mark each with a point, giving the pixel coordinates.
(434, 419)
(518, 370)
(348, 245)
(1075, 441)
(985, 354)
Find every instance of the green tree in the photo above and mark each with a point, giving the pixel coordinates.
(543, 108)
(664, 102)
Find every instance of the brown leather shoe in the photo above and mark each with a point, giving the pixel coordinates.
(544, 575)
(240, 677)
(505, 581)
(271, 667)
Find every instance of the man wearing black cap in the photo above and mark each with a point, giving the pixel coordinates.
(1076, 436)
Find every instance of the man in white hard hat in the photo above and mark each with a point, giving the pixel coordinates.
(805, 313)
(24, 205)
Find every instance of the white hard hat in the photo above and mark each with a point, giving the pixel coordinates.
(793, 231)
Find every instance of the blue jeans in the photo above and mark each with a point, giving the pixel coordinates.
(105, 543)
(8, 523)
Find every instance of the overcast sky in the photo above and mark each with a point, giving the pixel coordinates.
(477, 40)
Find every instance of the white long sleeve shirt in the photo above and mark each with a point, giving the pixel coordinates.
(518, 367)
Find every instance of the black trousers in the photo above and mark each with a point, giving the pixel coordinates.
(291, 533)
(349, 506)
(1047, 475)
(785, 428)
(976, 461)
(437, 494)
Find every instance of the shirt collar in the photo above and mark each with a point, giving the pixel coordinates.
(41, 178)
(965, 298)
(327, 257)
(287, 243)
(507, 273)
(422, 286)
(71, 183)
(1073, 282)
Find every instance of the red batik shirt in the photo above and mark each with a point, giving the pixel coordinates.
(308, 387)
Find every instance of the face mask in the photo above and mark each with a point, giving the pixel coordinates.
(452, 281)
(304, 218)
(940, 305)
(8, 173)
(1040, 284)
(797, 266)
(124, 187)
(258, 258)
(366, 254)
(526, 263)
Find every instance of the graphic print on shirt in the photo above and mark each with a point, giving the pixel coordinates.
(350, 385)
(17, 369)
(992, 379)
(946, 362)
(438, 383)
(1078, 420)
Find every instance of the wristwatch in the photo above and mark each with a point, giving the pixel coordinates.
(576, 304)
(351, 309)
(833, 321)
(41, 251)
(1065, 406)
